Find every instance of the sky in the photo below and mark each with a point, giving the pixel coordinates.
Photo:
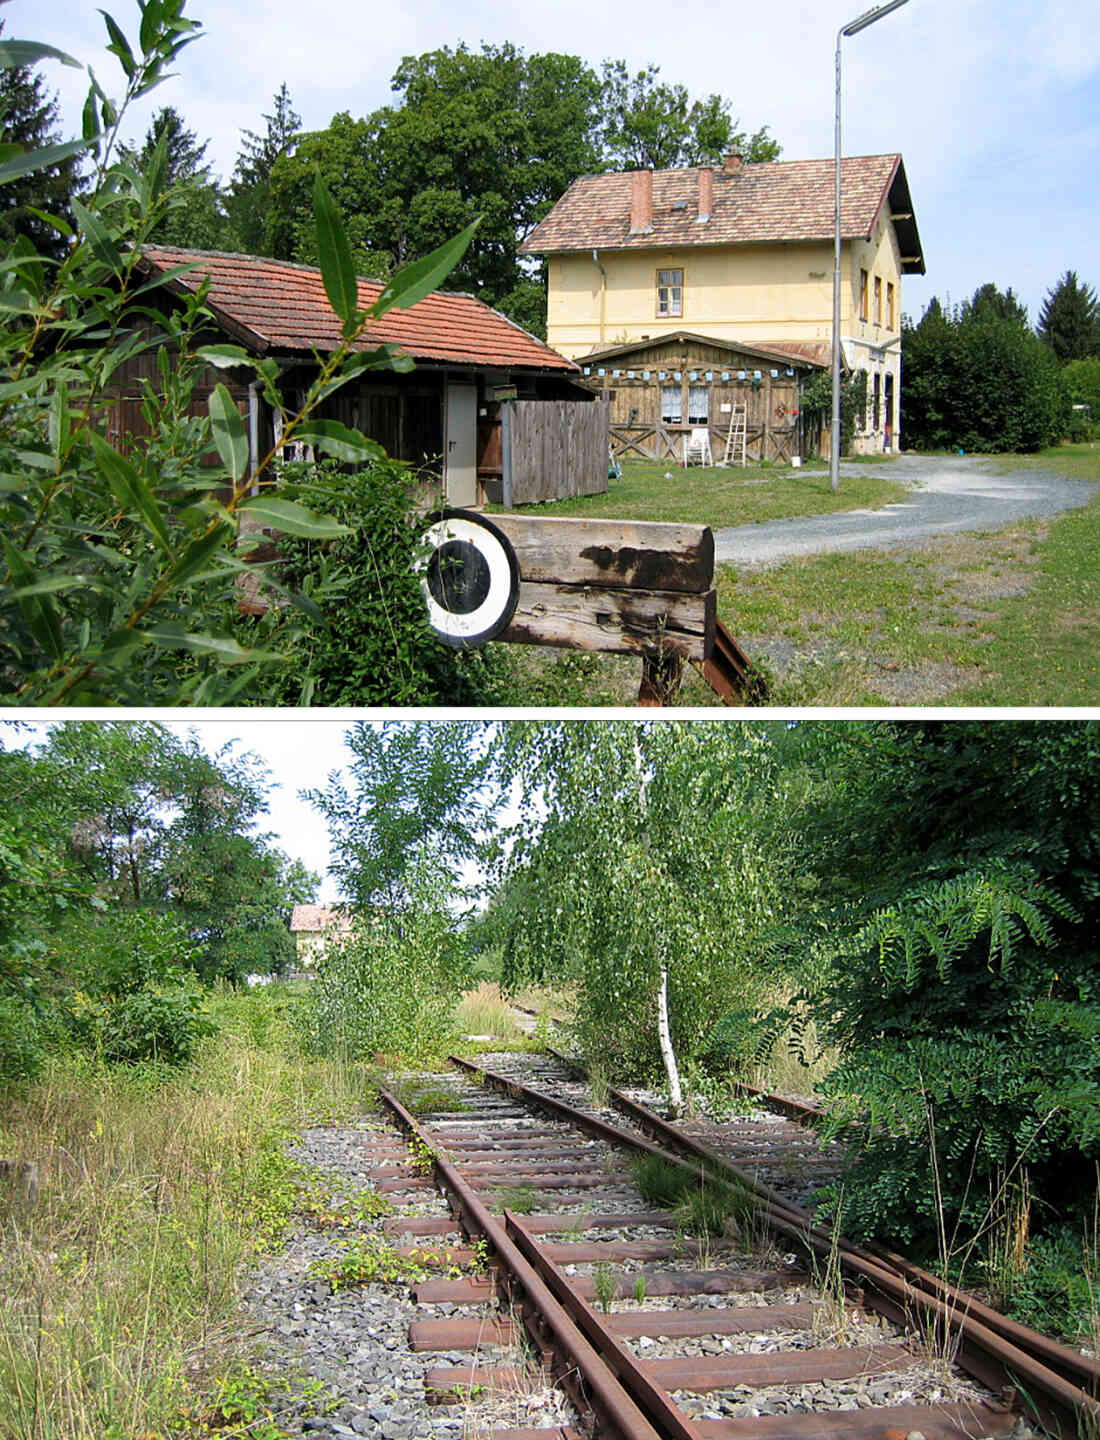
(993, 104)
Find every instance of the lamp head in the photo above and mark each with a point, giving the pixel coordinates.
(871, 16)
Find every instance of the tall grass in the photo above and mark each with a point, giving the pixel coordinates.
(157, 1187)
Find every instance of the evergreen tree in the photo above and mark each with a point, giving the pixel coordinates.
(250, 188)
(1069, 321)
(28, 118)
(196, 220)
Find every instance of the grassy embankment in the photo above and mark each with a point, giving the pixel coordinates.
(157, 1191)
(1009, 618)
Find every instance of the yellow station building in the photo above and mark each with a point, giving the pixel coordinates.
(741, 254)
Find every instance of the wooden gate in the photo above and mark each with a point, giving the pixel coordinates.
(554, 449)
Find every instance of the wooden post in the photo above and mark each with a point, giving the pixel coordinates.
(766, 442)
(506, 453)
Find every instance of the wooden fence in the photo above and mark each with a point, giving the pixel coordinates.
(554, 449)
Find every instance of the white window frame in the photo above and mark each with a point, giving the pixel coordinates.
(670, 294)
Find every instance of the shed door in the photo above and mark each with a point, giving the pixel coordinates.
(461, 460)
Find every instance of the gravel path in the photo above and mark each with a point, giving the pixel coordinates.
(949, 495)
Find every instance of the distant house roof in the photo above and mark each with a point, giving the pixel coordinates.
(312, 919)
(803, 354)
(274, 305)
(780, 202)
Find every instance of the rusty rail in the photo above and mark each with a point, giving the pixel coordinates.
(1060, 1404)
(586, 1375)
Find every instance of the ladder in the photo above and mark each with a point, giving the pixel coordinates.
(737, 439)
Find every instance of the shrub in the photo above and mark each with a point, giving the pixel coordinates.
(388, 990)
(21, 1050)
(118, 952)
(162, 1023)
(979, 381)
(374, 646)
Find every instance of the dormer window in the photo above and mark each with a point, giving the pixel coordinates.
(670, 293)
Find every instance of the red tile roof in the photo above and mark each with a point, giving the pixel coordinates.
(778, 202)
(278, 306)
(312, 918)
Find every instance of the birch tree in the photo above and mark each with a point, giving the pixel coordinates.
(645, 876)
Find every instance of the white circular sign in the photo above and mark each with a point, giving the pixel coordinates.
(469, 577)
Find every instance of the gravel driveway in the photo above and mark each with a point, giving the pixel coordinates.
(949, 494)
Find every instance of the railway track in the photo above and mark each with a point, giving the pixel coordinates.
(769, 1330)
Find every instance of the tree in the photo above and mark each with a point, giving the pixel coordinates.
(494, 133)
(417, 796)
(979, 379)
(153, 823)
(195, 218)
(988, 303)
(957, 869)
(28, 119)
(249, 197)
(643, 879)
(648, 124)
(1069, 320)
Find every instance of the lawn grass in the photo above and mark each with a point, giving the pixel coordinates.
(1010, 618)
(716, 496)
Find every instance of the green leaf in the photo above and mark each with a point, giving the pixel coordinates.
(424, 275)
(120, 46)
(229, 432)
(337, 267)
(339, 441)
(224, 357)
(40, 159)
(16, 53)
(18, 302)
(39, 613)
(59, 424)
(132, 490)
(151, 11)
(294, 519)
(55, 222)
(197, 554)
(228, 651)
(98, 237)
(162, 277)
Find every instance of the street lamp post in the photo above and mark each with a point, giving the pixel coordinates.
(853, 28)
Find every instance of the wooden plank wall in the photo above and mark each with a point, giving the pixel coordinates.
(559, 448)
(633, 385)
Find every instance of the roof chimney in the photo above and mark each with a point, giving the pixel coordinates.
(732, 162)
(641, 201)
(706, 193)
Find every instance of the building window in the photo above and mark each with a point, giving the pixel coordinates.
(698, 405)
(878, 300)
(672, 408)
(890, 306)
(863, 277)
(670, 292)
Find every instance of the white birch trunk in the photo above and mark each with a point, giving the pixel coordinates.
(668, 1054)
(664, 1033)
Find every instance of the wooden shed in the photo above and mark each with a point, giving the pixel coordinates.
(661, 390)
(444, 415)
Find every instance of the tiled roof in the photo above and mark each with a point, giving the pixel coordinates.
(779, 202)
(311, 918)
(278, 306)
